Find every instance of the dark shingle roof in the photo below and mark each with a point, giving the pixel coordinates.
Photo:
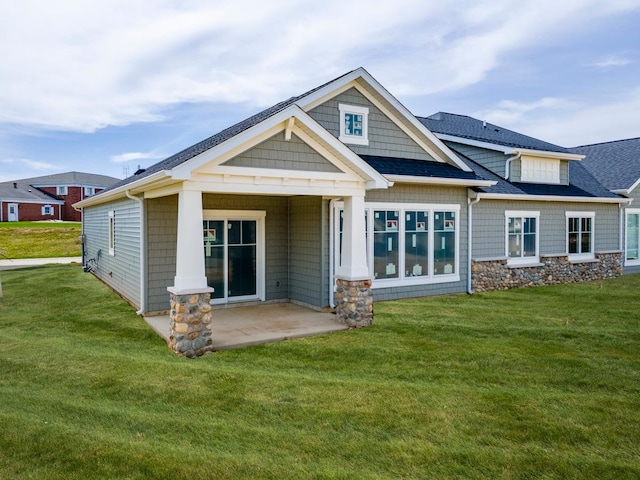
(71, 178)
(220, 137)
(615, 164)
(582, 183)
(417, 168)
(473, 129)
(23, 190)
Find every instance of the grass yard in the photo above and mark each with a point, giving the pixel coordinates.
(537, 383)
(40, 239)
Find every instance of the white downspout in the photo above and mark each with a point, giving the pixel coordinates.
(507, 166)
(470, 241)
(332, 202)
(143, 256)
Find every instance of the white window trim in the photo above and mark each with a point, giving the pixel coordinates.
(518, 261)
(89, 191)
(554, 170)
(401, 281)
(259, 216)
(629, 211)
(581, 256)
(112, 233)
(48, 210)
(62, 190)
(353, 139)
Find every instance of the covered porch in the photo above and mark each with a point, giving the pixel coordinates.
(243, 326)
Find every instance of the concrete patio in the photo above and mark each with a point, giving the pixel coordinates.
(235, 327)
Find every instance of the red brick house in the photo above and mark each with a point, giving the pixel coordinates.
(50, 197)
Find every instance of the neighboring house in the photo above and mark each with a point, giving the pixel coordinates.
(617, 166)
(50, 197)
(547, 220)
(334, 198)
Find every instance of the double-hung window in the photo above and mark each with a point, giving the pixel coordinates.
(61, 190)
(632, 237)
(522, 237)
(580, 235)
(409, 244)
(47, 210)
(354, 124)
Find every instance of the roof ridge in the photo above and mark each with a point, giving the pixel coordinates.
(605, 143)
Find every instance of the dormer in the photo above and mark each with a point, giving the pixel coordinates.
(530, 166)
(515, 157)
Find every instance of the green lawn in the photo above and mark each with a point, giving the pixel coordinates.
(540, 383)
(39, 239)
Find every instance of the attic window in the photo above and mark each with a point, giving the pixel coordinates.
(354, 124)
(540, 170)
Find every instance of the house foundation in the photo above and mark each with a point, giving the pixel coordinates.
(354, 302)
(496, 274)
(190, 326)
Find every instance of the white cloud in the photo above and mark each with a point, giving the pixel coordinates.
(127, 157)
(16, 168)
(612, 61)
(572, 122)
(81, 66)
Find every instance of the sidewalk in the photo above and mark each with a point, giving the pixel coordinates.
(15, 263)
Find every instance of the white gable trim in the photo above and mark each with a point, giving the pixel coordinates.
(509, 150)
(348, 81)
(279, 122)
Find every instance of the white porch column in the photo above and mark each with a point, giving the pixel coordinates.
(354, 249)
(190, 274)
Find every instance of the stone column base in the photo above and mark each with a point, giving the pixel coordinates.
(354, 303)
(190, 328)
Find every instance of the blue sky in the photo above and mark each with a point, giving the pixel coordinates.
(105, 86)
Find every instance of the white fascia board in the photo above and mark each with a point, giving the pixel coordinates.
(547, 198)
(344, 83)
(269, 126)
(120, 192)
(440, 181)
(37, 201)
(627, 191)
(509, 150)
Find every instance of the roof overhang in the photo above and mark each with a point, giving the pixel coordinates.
(32, 200)
(546, 198)
(156, 180)
(458, 182)
(507, 150)
(430, 142)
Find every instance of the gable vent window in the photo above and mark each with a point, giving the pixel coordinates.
(540, 171)
(354, 124)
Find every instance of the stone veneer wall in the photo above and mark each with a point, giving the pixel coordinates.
(190, 327)
(354, 303)
(495, 274)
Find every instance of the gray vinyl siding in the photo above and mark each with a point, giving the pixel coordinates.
(162, 221)
(635, 195)
(276, 153)
(490, 159)
(162, 238)
(489, 226)
(120, 271)
(402, 193)
(306, 251)
(386, 139)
